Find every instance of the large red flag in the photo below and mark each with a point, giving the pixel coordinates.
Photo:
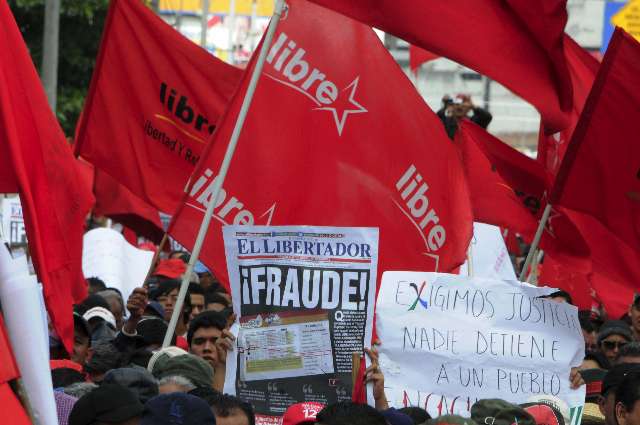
(115, 201)
(154, 101)
(54, 199)
(500, 180)
(516, 42)
(583, 68)
(418, 56)
(560, 274)
(336, 136)
(600, 174)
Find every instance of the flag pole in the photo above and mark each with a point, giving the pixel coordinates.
(535, 242)
(233, 141)
(470, 260)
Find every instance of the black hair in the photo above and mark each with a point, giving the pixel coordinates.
(224, 404)
(90, 302)
(628, 391)
(215, 297)
(195, 288)
(417, 414)
(349, 413)
(631, 349)
(65, 376)
(561, 294)
(598, 357)
(587, 325)
(164, 287)
(208, 394)
(206, 319)
(96, 284)
(152, 331)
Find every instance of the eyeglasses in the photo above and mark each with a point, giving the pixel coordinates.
(612, 345)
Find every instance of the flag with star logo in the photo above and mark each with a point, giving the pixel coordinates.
(336, 136)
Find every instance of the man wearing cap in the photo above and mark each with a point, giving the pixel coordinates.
(613, 335)
(302, 413)
(108, 404)
(634, 315)
(500, 412)
(612, 379)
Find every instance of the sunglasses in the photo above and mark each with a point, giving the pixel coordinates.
(611, 345)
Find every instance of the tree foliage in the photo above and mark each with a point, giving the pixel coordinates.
(81, 23)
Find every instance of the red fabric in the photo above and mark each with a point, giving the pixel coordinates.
(499, 180)
(418, 56)
(359, 394)
(566, 276)
(172, 268)
(516, 42)
(181, 342)
(316, 164)
(302, 413)
(583, 68)
(65, 364)
(150, 81)
(54, 199)
(12, 411)
(599, 175)
(115, 201)
(8, 366)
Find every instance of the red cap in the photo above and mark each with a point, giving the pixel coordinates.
(147, 246)
(172, 268)
(64, 364)
(302, 413)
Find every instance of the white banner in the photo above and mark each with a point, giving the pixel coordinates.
(449, 340)
(108, 256)
(13, 222)
(489, 255)
(304, 299)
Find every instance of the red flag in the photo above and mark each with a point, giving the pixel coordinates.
(154, 100)
(500, 180)
(600, 175)
(336, 136)
(118, 203)
(563, 275)
(54, 199)
(583, 68)
(517, 42)
(418, 56)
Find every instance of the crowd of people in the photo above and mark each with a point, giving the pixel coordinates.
(118, 372)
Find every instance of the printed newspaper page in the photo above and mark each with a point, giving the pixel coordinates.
(304, 297)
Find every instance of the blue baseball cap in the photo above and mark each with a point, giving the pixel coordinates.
(177, 409)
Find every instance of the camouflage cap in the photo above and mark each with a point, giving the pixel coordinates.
(500, 412)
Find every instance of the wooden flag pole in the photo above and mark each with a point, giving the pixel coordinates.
(535, 242)
(246, 103)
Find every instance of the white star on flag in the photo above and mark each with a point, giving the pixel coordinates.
(341, 120)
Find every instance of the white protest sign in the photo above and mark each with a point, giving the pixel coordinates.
(449, 340)
(13, 222)
(489, 254)
(108, 256)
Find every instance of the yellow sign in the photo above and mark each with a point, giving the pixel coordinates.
(628, 18)
(242, 7)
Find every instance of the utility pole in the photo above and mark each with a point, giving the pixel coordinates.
(50, 44)
(204, 23)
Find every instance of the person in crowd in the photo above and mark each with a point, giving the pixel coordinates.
(196, 296)
(102, 324)
(627, 407)
(630, 353)
(613, 335)
(138, 380)
(79, 389)
(589, 332)
(207, 280)
(500, 412)
(177, 408)
(210, 339)
(64, 406)
(103, 357)
(214, 301)
(167, 294)
(65, 373)
(461, 107)
(81, 339)
(417, 414)
(116, 304)
(95, 285)
(175, 384)
(560, 297)
(230, 410)
(595, 360)
(610, 385)
(196, 370)
(349, 413)
(302, 413)
(108, 404)
(634, 316)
